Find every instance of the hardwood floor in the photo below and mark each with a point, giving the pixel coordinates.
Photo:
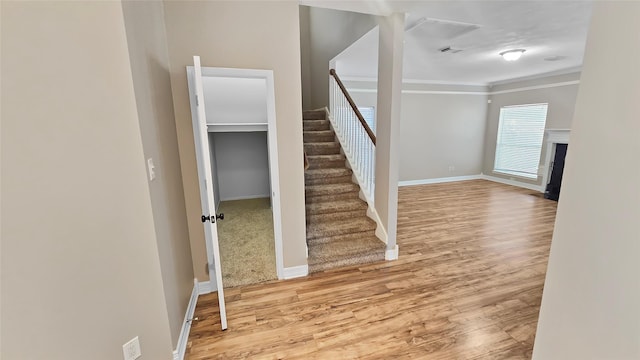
(467, 285)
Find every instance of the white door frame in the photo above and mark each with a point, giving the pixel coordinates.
(272, 140)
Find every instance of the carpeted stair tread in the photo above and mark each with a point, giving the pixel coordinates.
(322, 148)
(327, 173)
(316, 218)
(341, 237)
(331, 189)
(364, 250)
(336, 206)
(326, 251)
(314, 114)
(327, 176)
(345, 260)
(336, 161)
(331, 180)
(333, 197)
(311, 125)
(339, 227)
(318, 136)
(339, 233)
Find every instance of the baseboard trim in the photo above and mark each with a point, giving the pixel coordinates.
(471, 177)
(295, 272)
(392, 254)
(181, 347)
(247, 197)
(512, 182)
(439, 180)
(206, 287)
(372, 214)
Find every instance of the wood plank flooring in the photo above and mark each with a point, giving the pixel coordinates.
(467, 285)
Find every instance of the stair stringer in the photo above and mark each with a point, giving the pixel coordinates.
(381, 233)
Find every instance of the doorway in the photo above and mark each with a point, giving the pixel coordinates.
(552, 190)
(240, 173)
(241, 148)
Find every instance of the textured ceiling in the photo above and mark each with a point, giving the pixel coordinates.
(553, 30)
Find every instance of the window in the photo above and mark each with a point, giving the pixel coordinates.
(519, 144)
(369, 115)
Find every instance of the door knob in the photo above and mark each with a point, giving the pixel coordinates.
(212, 218)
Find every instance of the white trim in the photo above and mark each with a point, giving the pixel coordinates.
(559, 136)
(380, 233)
(422, 92)
(247, 197)
(439, 180)
(359, 78)
(392, 254)
(566, 71)
(534, 187)
(371, 209)
(181, 347)
(206, 287)
(414, 81)
(205, 179)
(435, 92)
(438, 82)
(516, 174)
(462, 92)
(237, 127)
(274, 172)
(553, 137)
(571, 70)
(536, 87)
(295, 272)
(472, 177)
(358, 90)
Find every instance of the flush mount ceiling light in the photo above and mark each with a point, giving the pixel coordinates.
(512, 55)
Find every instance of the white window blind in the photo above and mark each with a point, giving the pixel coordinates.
(369, 115)
(519, 143)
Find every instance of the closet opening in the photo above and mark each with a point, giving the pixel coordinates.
(240, 172)
(239, 155)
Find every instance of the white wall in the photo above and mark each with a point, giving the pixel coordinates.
(80, 261)
(590, 306)
(327, 33)
(235, 100)
(147, 45)
(446, 126)
(441, 127)
(558, 91)
(249, 35)
(391, 44)
(242, 164)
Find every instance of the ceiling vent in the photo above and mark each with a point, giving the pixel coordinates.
(555, 58)
(440, 29)
(449, 49)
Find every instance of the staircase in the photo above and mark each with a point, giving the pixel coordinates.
(339, 233)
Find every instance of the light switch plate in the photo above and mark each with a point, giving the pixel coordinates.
(151, 167)
(131, 349)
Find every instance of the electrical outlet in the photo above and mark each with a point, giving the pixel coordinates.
(131, 349)
(452, 168)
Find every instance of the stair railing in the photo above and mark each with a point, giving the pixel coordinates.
(356, 137)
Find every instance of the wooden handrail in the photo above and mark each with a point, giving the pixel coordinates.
(364, 124)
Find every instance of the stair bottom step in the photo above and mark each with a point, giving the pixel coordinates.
(356, 250)
(337, 262)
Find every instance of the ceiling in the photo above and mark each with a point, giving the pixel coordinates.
(553, 33)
